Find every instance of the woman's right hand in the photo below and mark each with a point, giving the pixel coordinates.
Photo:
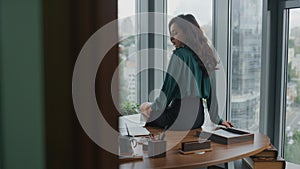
(227, 124)
(145, 109)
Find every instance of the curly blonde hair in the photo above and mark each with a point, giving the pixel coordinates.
(196, 41)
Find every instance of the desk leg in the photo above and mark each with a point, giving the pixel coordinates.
(229, 165)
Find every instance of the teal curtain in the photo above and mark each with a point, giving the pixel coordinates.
(21, 85)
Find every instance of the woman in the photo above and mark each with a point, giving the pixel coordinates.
(188, 81)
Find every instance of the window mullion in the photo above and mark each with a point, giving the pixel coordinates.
(142, 46)
(159, 57)
(221, 42)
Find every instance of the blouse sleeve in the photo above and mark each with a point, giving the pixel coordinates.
(170, 84)
(213, 105)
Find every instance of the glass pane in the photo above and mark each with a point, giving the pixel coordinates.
(246, 36)
(202, 10)
(292, 140)
(127, 56)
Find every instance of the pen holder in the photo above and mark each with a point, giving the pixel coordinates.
(157, 148)
(145, 146)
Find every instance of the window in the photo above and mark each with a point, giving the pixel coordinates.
(202, 10)
(127, 54)
(246, 42)
(129, 47)
(203, 14)
(292, 115)
(236, 32)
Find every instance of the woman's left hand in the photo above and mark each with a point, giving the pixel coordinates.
(227, 124)
(145, 109)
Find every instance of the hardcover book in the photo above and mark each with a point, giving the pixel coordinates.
(265, 163)
(195, 146)
(270, 152)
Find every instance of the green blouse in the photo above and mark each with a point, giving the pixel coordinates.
(185, 78)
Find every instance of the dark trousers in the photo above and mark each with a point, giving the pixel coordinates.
(182, 114)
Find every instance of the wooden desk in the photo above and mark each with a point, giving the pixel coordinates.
(220, 153)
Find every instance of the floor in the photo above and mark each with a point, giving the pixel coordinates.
(292, 166)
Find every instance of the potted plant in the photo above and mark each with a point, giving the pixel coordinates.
(128, 108)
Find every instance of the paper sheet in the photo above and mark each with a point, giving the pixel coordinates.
(225, 133)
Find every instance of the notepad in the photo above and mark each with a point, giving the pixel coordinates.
(135, 125)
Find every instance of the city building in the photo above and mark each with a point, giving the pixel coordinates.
(246, 58)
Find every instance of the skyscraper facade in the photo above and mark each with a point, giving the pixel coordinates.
(246, 62)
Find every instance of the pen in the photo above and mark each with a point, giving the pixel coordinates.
(127, 130)
(163, 136)
(164, 133)
(151, 136)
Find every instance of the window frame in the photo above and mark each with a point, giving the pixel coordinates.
(282, 57)
(222, 41)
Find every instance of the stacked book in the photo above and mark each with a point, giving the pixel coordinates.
(267, 159)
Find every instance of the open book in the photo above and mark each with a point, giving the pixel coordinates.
(135, 124)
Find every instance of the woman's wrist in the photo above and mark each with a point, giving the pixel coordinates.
(152, 106)
(220, 121)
